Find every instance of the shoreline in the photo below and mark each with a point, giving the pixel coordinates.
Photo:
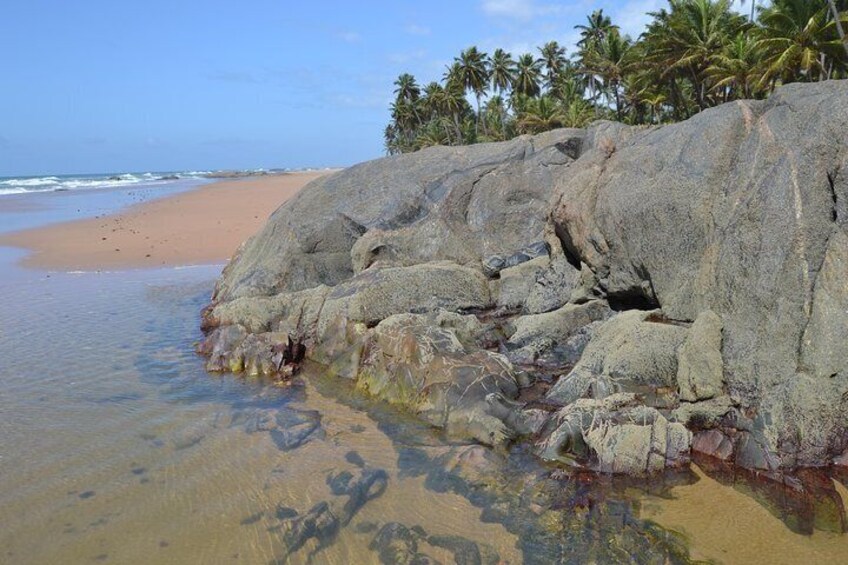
(204, 225)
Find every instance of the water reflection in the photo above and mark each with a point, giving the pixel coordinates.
(117, 447)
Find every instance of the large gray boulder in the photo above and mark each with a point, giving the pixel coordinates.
(443, 203)
(698, 267)
(740, 210)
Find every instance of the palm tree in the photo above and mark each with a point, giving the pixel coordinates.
(736, 69)
(406, 88)
(528, 73)
(541, 114)
(567, 87)
(696, 31)
(496, 115)
(407, 93)
(405, 120)
(577, 114)
(390, 140)
(609, 60)
(800, 41)
(473, 69)
(433, 101)
(434, 105)
(454, 97)
(553, 58)
(502, 71)
(835, 13)
(693, 54)
(598, 26)
(430, 135)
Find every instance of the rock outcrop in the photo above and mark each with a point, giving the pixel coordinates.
(618, 296)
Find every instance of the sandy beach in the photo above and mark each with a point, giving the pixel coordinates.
(202, 226)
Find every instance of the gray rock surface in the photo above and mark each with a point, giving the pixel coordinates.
(740, 210)
(443, 203)
(700, 371)
(618, 435)
(626, 353)
(720, 241)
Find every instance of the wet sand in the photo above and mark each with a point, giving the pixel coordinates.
(723, 524)
(202, 226)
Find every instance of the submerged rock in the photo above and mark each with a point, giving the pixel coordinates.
(326, 519)
(710, 287)
(295, 427)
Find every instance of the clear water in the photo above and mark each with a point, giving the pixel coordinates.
(117, 447)
(27, 210)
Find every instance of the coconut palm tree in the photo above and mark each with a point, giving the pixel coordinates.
(528, 74)
(692, 55)
(431, 134)
(736, 69)
(541, 114)
(497, 117)
(567, 87)
(835, 13)
(473, 69)
(800, 41)
(433, 100)
(406, 88)
(433, 104)
(502, 71)
(597, 27)
(696, 31)
(390, 140)
(553, 58)
(454, 98)
(577, 114)
(405, 120)
(609, 60)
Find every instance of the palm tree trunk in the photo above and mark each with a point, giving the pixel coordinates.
(479, 117)
(617, 100)
(841, 31)
(458, 129)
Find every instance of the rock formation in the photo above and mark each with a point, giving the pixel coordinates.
(618, 296)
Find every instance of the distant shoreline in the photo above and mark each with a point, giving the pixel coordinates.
(202, 226)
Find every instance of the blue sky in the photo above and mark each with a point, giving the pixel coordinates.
(111, 86)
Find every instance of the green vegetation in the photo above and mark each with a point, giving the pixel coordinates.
(693, 55)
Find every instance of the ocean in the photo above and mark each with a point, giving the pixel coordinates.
(60, 183)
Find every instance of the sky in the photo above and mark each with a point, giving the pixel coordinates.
(99, 86)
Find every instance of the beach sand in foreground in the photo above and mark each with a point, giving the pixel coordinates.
(199, 227)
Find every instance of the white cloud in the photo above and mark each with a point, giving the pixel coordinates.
(632, 16)
(349, 36)
(517, 9)
(415, 29)
(518, 48)
(401, 58)
(242, 77)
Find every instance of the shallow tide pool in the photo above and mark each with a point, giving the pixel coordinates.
(117, 447)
